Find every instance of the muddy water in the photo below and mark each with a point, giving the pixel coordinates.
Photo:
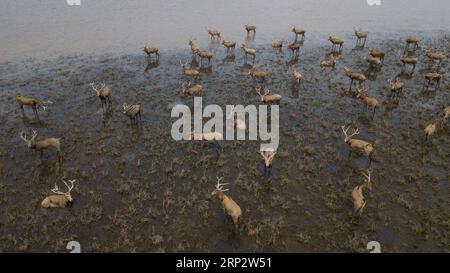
(138, 190)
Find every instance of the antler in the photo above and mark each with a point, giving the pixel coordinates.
(23, 136)
(267, 91)
(367, 175)
(258, 90)
(126, 106)
(219, 186)
(34, 135)
(69, 188)
(56, 190)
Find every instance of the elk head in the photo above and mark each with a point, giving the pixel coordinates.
(219, 187)
(96, 87)
(348, 137)
(31, 143)
(66, 194)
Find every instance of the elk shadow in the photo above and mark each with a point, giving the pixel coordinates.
(229, 59)
(152, 64)
(250, 38)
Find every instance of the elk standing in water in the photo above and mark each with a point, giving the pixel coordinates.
(329, 63)
(250, 28)
(435, 56)
(190, 72)
(298, 31)
(191, 90)
(354, 76)
(228, 204)
(357, 195)
(377, 54)
(410, 60)
(431, 77)
(59, 199)
(151, 51)
(336, 42)
(214, 33)
(205, 55)
(103, 93)
(397, 86)
(248, 51)
(360, 36)
(133, 112)
(41, 145)
(297, 76)
(432, 128)
(294, 47)
(230, 45)
(369, 101)
(356, 145)
(257, 74)
(412, 43)
(34, 103)
(278, 45)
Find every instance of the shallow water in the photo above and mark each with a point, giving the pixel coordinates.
(138, 190)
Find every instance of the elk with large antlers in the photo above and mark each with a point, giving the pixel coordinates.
(151, 51)
(357, 194)
(228, 204)
(361, 37)
(356, 145)
(59, 199)
(34, 103)
(191, 90)
(41, 145)
(354, 76)
(266, 98)
(190, 72)
(336, 42)
(103, 93)
(268, 155)
(133, 112)
(250, 28)
(397, 86)
(369, 101)
(248, 51)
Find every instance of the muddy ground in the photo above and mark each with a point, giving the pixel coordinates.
(138, 190)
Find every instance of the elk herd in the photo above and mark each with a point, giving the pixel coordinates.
(361, 147)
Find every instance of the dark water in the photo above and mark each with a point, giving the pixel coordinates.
(138, 190)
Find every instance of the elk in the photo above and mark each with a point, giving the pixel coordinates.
(34, 103)
(336, 42)
(59, 199)
(151, 51)
(354, 76)
(205, 55)
(328, 63)
(431, 77)
(250, 28)
(41, 145)
(435, 56)
(357, 194)
(268, 155)
(240, 124)
(369, 101)
(278, 45)
(208, 136)
(188, 89)
(257, 74)
(295, 48)
(266, 98)
(190, 72)
(297, 76)
(228, 204)
(230, 45)
(360, 36)
(446, 112)
(132, 111)
(412, 41)
(249, 51)
(373, 61)
(397, 85)
(356, 145)
(194, 48)
(432, 128)
(410, 60)
(298, 31)
(377, 54)
(214, 33)
(103, 93)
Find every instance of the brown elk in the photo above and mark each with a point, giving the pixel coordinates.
(294, 47)
(446, 112)
(435, 56)
(205, 55)
(152, 51)
(230, 45)
(432, 128)
(360, 36)
(409, 60)
(133, 112)
(329, 63)
(240, 124)
(412, 43)
(354, 76)
(356, 145)
(377, 54)
(266, 98)
(369, 101)
(190, 72)
(431, 77)
(214, 33)
(357, 194)
(373, 61)
(299, 31)
(257, 74)
(191, 90)
(194, 47)
(41, 145)
(397, 86)
(297, 76)
(250, 28)
(249, 51)
(34, 103)
(103, 93)
(277, 45)
(336, 42)
(228, 204)
(59, 199)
